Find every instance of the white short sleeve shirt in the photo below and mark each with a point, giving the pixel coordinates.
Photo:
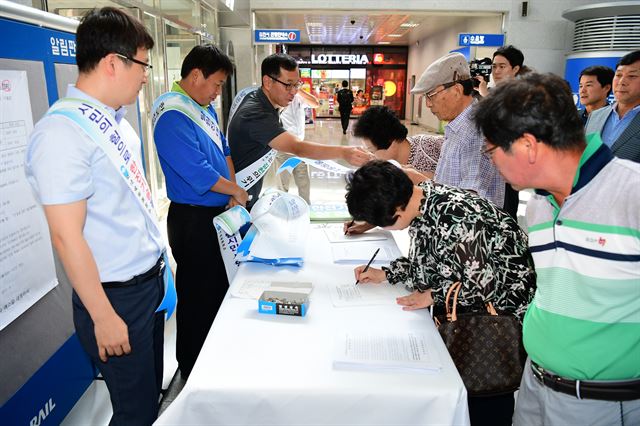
(64, 165)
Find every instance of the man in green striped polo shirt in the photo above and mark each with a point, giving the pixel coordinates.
(582, 330)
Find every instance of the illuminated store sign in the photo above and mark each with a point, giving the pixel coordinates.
(339, 59)
(277, 36)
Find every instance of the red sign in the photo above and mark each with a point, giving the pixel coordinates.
(378, 58)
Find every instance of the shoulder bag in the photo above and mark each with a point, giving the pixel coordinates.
(485, 347)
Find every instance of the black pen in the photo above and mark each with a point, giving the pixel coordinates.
(369, 264)
(349, 226)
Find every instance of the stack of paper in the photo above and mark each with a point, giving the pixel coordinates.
(408, 351)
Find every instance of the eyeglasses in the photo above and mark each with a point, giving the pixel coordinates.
(145, 66)
(431, 96)
(290, 86)
(488, 152)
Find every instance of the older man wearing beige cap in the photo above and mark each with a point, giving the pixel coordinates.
(448, 92)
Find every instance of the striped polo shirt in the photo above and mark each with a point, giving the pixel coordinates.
(584, 321)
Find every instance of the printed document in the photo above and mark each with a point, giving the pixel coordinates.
(403, 351)
(27, 269)
(366, 294)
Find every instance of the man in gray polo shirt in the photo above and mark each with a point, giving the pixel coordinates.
(255, 128)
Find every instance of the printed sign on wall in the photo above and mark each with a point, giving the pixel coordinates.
(484, 40)
(277, 36)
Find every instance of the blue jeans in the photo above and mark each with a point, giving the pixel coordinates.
(134, 381)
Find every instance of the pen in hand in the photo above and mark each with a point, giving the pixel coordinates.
(368, 264)
(346, 231)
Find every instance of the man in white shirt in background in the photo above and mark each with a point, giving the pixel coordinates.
(293, 120)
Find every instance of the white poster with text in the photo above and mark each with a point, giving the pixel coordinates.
(27, 270)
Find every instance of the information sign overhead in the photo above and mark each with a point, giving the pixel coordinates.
(490, 40)
(277, 36)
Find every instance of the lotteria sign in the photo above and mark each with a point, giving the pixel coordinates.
(323, 59)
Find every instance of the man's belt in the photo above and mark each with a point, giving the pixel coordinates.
(609, 390)
(138, 279)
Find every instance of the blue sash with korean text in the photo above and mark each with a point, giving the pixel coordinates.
(255, 171)
(102, 128)
(176, 101)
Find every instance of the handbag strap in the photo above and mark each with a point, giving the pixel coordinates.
(491, 309)
(452, 311)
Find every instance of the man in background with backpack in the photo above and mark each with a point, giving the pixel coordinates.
(345, 100)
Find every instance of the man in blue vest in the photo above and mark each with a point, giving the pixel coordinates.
(196, 162)
(84, 164)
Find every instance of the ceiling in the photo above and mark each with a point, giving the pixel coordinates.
(342, 27)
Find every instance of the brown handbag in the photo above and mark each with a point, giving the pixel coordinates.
(485, 347)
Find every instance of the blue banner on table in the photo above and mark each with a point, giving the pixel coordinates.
(485, 40)
(276, 237)
(277, 36)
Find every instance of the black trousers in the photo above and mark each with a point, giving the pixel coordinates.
(344, 119)
(491, 410)
(134, 381)
(201, 279)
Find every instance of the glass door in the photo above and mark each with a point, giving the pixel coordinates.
(156, 85)
(178, 42)
(326, 84)
(358, 85)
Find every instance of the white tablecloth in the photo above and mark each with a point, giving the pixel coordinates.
(257, 369)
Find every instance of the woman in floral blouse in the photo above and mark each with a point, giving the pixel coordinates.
(456, 235)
